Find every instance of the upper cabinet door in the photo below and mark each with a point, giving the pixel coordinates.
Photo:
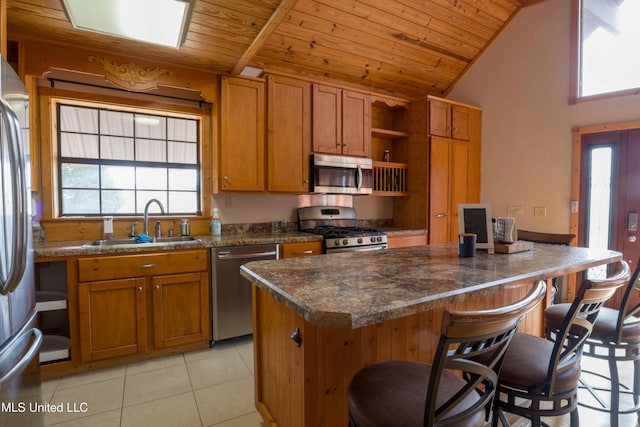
(341, 122)
(356, 124)
(242, 133)
(288, 134)
(448, 120)
(327, 119)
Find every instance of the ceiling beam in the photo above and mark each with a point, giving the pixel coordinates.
(271, 25)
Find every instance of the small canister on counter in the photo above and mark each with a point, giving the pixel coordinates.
(467, 245)
(184, 227)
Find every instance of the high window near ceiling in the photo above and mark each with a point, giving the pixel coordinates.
(606, 38)
(111, 162)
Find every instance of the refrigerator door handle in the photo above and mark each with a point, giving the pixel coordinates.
(20, 219)
(20, 366)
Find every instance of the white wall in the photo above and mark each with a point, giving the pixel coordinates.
(522, 84)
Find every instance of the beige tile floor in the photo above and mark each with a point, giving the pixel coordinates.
(212, 387)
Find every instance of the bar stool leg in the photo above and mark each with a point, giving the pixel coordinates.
(636, 385)
(615, 388)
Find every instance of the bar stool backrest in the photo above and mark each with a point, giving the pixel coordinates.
(578, 323)
(628, 310)
(466, 337)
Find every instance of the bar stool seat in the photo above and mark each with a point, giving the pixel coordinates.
(374, 403)
(457, 389)
(535, 353)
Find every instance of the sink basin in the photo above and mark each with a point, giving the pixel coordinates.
(131, 241)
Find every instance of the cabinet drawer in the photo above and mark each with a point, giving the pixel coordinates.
(124, 266)
(301, 249)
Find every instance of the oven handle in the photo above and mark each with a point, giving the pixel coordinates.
(359, 178)
(226, 255)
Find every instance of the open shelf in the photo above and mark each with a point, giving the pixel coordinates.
(54, 347)
(50, 300)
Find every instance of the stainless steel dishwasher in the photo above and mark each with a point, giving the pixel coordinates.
(230, 292)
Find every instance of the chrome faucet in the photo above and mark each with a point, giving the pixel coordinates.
(146, 214)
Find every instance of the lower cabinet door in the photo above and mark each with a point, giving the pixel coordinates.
(180, 309)
(112, 318)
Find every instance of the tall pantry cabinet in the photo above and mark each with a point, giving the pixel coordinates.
(444, 153)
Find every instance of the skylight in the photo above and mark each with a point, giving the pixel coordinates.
(162, 22)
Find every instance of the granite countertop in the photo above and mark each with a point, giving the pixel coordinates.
(355, 289)
(80, 247)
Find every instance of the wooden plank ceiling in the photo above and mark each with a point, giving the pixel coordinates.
(408, 48)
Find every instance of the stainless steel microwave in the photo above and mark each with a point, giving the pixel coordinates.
(341, 174)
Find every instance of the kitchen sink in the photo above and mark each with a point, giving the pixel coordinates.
(132, 241)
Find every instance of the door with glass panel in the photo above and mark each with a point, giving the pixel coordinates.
(610, 193)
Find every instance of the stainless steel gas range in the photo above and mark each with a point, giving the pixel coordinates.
(338, 226)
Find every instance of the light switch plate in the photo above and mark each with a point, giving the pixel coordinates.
(515, 211)
(540, 211)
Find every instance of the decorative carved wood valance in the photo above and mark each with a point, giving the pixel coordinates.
(131, 76)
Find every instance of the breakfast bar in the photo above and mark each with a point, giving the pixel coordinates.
(318, 320)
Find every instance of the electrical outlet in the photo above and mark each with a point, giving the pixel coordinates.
(540, 211)
(514, 211)
(228, 201)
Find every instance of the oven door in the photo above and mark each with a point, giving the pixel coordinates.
(369, 248)
(341, 174)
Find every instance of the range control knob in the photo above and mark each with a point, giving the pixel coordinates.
(359, 239)
(373, 239)
(337, 242)
(345, 242)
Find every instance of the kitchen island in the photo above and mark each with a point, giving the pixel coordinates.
(318, 320)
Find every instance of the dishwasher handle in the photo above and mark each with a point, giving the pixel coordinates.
(229, 255)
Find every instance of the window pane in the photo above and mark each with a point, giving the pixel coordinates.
(183, 179)
(182, 130)
(151, 178)
(116, 123)
(610, 34)
(183, 202)
(118, 202)
(183, 152)
(118, 177)
(79, 145)
(80, 202)
(80, 176)
(151, 127)
(78, 119)
(149, 150)
(116, 148)
(145, 196)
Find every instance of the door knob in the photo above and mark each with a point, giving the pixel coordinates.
(631, 239)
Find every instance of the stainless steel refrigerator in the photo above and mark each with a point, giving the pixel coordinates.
(20, 339)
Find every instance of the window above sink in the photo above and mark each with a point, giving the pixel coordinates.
(112, 161)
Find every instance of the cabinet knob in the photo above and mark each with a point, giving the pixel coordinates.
(139, 288)
(226, 178)
(296, 337)
(157, 286)
(441, 215)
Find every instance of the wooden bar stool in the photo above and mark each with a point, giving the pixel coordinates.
(540, 377)
(615, 338)
(408, 393)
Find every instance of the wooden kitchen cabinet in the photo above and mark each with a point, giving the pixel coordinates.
(444, 171)
(406, 240)
(341, 121)
(449, 120)
(242, 125)
(300, 249)
(136, 303)
(288, 134)
(454, 165)
(112, 318)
